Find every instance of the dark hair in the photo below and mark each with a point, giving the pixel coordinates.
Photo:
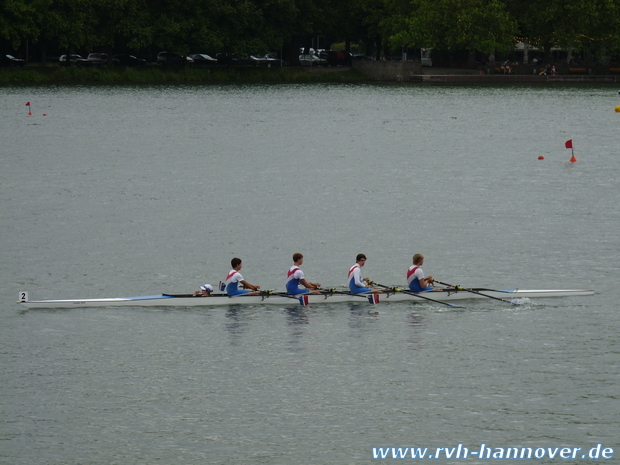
(360, 256)
(297, 256)
(417, 258)
(235, 262)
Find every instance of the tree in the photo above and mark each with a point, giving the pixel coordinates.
(20, 20)
(573, 25)
(476, 25)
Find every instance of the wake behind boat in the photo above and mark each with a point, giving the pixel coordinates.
(278, 298)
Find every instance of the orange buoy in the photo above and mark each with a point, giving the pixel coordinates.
(540, 157)
(573, 159)
(617, 109)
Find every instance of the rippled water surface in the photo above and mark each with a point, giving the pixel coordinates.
(135, 190)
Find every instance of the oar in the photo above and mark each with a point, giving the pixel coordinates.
(303, 298)
(373, 298)
(274, 293)
(459, 288)
(418, 295)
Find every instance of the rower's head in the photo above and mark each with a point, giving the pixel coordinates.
(360, 259)
(297, 257)
(418, 259)
(206, 289)
(235, 262)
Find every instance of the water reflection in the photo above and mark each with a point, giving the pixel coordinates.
(296, 316)
(360, 315)
(236, 323)
(415, 321)
(296, 319)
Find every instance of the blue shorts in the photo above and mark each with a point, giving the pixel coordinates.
(238, 292)
(422, 290)
(359, 290)
(297, 291)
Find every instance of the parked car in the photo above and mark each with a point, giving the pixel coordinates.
(127, 60)
(173, 59)
(246, 60)
(202, 59)
(336, 57)
(362, 58)
(272, 61)
(10, 60)
(226, 59)
(266, 61)
(312, 60)
(258, 60)
(73, 58)
(93, 59)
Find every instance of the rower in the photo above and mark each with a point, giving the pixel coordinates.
(205, 290)
(234, 278)
(415, 276)
(357, 285)
(295, 277)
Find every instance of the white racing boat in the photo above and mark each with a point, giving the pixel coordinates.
(441, 296)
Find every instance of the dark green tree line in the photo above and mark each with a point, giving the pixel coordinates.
(588, 27)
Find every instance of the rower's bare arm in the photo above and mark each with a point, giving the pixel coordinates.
(308, 284)
(249, 286)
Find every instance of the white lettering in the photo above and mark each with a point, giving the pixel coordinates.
(450, 452)
(484, 452)
(465, 453)
(418, 452)
(595, 451)
(380, 453)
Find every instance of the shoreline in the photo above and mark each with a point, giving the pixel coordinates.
(153, 75)
(513, 79)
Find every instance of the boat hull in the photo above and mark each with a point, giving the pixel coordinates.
(165, 300)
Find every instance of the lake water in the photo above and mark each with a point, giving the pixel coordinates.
(123, 191)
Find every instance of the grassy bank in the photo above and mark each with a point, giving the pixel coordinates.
(158, 75)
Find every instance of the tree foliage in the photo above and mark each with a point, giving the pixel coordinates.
(258, 26)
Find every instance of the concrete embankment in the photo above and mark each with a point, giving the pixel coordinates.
(396, 71)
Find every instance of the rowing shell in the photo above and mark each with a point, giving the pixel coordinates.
(170, 300)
